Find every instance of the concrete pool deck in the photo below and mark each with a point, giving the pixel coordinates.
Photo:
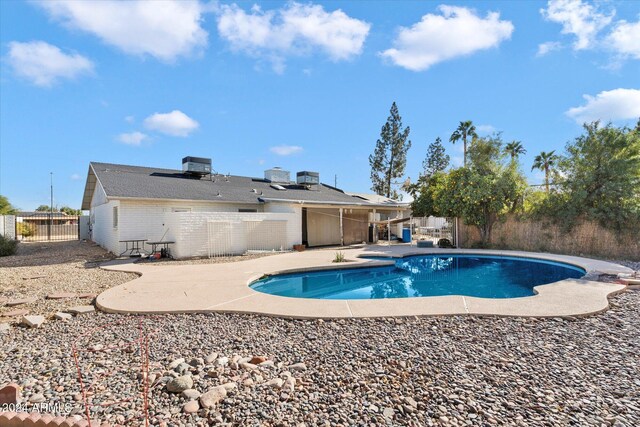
(223, 287)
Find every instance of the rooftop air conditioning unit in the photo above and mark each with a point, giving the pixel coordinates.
(196, 165)
(277, 175)
(308, 179)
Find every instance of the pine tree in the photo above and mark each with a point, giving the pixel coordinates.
(437, 159)
(389, 158)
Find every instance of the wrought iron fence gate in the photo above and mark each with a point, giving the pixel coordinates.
(45, 226)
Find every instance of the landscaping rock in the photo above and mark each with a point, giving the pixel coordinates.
(174, 364)
(298, 367)
(82, 309)
(180, 384)
(62, 295)
(222, 361)
(211, 358)
(4, 327)
(212, 397)
(256, 360)
(37, 398)
(230, 386)
(21, 301)
(191, 393)
(33, 321)
(275, 383)
(63, 316)
(197, 361)
(15, 313)
(191, 407)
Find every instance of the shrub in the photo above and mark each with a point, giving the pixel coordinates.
(25, 230)
(7, 246)
(339, 257)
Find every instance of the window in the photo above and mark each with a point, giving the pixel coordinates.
(247, 210)
(115, 217)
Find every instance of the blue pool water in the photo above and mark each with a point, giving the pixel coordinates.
(423, 276)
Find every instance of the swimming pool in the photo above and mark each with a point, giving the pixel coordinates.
(423, 276)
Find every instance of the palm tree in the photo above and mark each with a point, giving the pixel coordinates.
(465, 129)
(545, 161)
(514, 149)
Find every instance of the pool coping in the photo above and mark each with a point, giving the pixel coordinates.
(224, 287)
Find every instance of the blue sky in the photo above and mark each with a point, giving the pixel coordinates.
(305, 86)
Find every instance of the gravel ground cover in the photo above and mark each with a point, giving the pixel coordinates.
(448, 370)
(43, 268)
(233, 369)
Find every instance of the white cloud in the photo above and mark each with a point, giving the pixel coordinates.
(616, 104)
(544, 48)
(485, 129)
(133, 138)
(129, 119)
(577, 18)
(75, 177)
(458, 31)
(295, 29)
(625, 39)
(44, 64)
(175, 123)
(286, 150)
(163, 29)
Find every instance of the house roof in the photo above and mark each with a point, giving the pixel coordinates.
(136, 182)
(56, 215)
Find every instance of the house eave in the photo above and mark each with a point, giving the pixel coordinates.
(341, 204)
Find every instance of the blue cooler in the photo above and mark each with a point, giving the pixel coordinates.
(406, 235)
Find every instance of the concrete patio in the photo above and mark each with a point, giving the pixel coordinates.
(224, 287)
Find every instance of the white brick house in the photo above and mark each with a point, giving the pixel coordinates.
(202, 212)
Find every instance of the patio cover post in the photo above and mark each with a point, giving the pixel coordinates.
(341, 230)
(374, 236)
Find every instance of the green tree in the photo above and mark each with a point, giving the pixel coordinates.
(465, 130)
(5, 207)
(389, 158)
(437, 159)
(602, 175)
(545, 161)
(422, 193)
(484, 192)
(433, 167)
(45, 208)
(514, 149)
(70, 211)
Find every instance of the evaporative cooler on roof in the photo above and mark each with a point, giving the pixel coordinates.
(308, 179)
(196, 165)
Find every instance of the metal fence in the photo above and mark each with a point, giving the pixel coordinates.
(433, 229)
(227, 238)
(44, 226)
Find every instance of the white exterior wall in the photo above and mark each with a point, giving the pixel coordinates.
(103, 232)
(190, 230)
(294, 228)
(141, 219)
